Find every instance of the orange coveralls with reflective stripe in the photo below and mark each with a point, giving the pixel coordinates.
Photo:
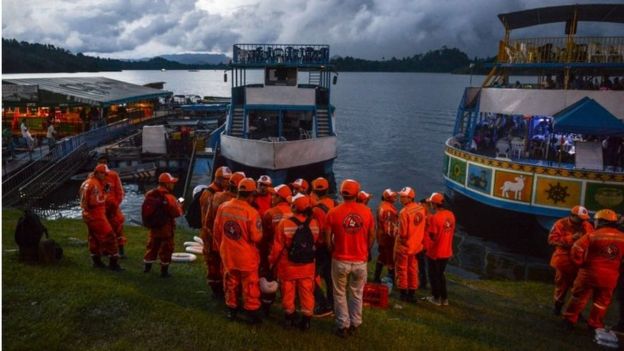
(562, 236)
(215, 268)
(599, 255)
(262, 203)
(387, 230)
(113, 202)
(237, 230)
(160, 242)
(270, 220)
(412, 220)
(102, 239)
(212, 265)
(296, 279)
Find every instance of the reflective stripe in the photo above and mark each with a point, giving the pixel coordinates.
(600, 306)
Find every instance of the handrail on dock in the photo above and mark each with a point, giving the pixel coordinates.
(296, 54)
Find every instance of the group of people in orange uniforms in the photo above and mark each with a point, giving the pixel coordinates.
(587, 260)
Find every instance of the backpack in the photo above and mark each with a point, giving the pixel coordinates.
(50, 251)
(154, 210)
(302, 249)
(28, 233)
(193, 213)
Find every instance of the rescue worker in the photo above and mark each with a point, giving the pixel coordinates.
(599, 255)
(102, 238)
(160, 242)
(323, 301)
(363, 197)
(237, 230)
(300, 185)
(387, 230)
(439, 247)
(412, 220)
(262, 200)
(115, 195)
(281, 197)
(211, 257)
(562, 236)
(296, 279)
(349, 234)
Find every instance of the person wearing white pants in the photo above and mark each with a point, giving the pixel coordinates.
(351, 276)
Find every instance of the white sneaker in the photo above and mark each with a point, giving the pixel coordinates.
(433, 300)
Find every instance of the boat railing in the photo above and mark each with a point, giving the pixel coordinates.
(295, 54)
(562, 50)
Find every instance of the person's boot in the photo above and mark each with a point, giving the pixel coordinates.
(411, 296)
(304, 323)
(378, 269)
(266, 309)
(217, 291)
(231, 313)
(557, 308)
(254, 316)
(114, 264)
(148, 268)
(97, 262)
(122, 253)
(164, 271)
(289, 320)
(403, 296)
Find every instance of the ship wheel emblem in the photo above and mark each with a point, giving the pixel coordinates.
(557, 193)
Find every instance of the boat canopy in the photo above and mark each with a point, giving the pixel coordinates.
(587, 116)
(588, 13)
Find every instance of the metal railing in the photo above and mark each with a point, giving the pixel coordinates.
(296, 54)
(563, 50)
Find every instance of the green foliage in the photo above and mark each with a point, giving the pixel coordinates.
(72, 306)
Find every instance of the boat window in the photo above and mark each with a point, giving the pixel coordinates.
(297, 125)
(263, 125)
(281, 76)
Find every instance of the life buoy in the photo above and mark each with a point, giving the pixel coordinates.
(182, 257)
(196, 249)
(198, 240)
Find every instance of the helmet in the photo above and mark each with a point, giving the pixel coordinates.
(282, 191)
(436, 198)
(223, 172)
(606, 215)
(580, 211)
(320, 184)
(301, 202)
(265, 179)
(101, 167)
(247, 184)
(349, 187)
(408, 192)
(167, 178)
(268, 287)
(236, 178)
(388, 194)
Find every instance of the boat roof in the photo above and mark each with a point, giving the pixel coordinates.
(552, 14)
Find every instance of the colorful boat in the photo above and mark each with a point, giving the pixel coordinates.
(544, 131)
(281, 120)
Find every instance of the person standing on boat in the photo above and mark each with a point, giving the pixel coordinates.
(262, 198)
(115, 195)
(160, 242)
(439, 247)
(387, 230)
(562, 236)
(51, 135)
(102, 239)
(599, 255)
(349, 234)
(281, 196)
(237, 230)
(211, 257)
(412, 220)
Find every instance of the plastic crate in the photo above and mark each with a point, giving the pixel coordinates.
(376, 295)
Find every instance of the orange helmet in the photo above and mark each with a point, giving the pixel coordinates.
(247, 184)
(581, 212)
(388, 195)
(265, 179)
(301, 185)
(301, 202)
(436, 198)
(102, 168)
(408, 192)
(282, 191)
(363, 196)
(349, 187)
(236, 178)
(167, 178)
(223, 172)
(606, 215)
(320, 184)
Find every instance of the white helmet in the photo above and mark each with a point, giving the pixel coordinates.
(268, 287)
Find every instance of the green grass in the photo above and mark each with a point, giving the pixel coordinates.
(72, 306)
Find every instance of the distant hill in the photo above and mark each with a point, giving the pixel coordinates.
(197, 59)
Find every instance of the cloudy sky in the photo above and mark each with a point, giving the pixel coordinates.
(362, 28)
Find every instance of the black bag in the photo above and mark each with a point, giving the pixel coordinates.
(193, 213)
(49, 251)
(154, 210)
(28, 233)
(302, 249)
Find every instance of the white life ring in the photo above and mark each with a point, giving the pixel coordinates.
(268, 287)
(182, 257)
(198, 240)
(192, 243)
(195, 249)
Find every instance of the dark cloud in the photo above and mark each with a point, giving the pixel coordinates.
(369, 28)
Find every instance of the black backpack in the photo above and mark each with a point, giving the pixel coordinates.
(193, 213)
(154, 210)
(29, 230)
(302, 249)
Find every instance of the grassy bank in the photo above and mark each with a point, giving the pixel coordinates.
(72, 306)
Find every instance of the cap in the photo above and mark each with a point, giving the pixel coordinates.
(102, 168)
(349, 187)
(388, 194)
(223, 172)
(407, 191)
(301, 185)
(436, 198)
(236, 178)
(167, 178)
(606, 215)
(363, 196)
(301, 202)
(247, 184)
(580, 211)
(265, 179)
(282, 191)
(320, 184)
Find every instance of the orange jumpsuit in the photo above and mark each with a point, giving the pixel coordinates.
(599, 255)
(412, 219)
(296, 279)
(270, 220)
(211, 257)
(102, 239)
(160, 243)
(116, 194)
(262, 203)
(237, 229)
(387, 230)
(215, 269)
(562, 236)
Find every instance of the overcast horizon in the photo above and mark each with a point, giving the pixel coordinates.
(370, 29)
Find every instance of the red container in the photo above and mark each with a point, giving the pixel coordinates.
(376, 295)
